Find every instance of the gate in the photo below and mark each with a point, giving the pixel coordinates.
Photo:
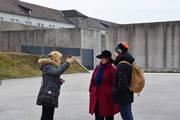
(88, 58)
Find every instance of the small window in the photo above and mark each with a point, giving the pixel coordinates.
(53, 26)
(30, 23)
(42, 25)
(30, 12)
(12, 20)
(1, 18)
(50, 26)
(39, 24)
(61, 27)
(17, 20)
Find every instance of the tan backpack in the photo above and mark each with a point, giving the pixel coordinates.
(138, 80)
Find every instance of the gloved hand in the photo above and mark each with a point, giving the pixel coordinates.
(62, 81)
(70, 60)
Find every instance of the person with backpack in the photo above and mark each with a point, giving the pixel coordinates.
(121, 93)
(101, 87)
(51, 83)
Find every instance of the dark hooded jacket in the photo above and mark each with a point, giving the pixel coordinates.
(51, 81)
(122, 94)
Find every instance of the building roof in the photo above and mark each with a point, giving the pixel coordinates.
(94, 23)
(27, 9)
(91, 22)
(73, 13)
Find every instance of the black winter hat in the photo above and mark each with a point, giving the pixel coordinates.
(106, 54)
(123, 46)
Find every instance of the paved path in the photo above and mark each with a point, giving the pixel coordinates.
(160, 99)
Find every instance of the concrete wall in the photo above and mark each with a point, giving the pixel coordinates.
(66, 38)
(91, 39)
(79, 22)
(99, 40)
(156, 46)
(9, 26)
(112, 37)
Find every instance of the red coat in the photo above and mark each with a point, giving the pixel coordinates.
(103, 92)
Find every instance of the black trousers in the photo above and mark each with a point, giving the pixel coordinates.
(47, 113)
(98, 117)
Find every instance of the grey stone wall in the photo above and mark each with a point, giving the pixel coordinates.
(11, 41)
(66, 38)
(156, 46)
(9, 26)
(112, 37)
(91, 39)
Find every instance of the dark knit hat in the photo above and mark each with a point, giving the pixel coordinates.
(123, 46)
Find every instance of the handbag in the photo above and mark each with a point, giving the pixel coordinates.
(48, 95)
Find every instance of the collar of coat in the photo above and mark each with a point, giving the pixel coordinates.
(108, 65)
(46, 61)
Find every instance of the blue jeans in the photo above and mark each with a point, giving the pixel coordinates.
(126, 112)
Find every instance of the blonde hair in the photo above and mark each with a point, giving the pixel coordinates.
(55, 56)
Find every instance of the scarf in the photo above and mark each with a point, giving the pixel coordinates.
(99, 74)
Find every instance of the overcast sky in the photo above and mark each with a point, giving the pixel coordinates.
(119, 11)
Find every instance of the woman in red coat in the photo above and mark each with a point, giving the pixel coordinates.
(100, 89)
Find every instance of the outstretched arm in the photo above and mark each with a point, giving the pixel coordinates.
(56, 71)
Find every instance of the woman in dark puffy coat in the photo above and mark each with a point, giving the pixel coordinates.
(50, 88)
(100, 89)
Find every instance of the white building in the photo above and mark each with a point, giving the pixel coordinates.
(24, 13)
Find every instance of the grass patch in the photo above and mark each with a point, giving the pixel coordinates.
(75, 68)
(16, 65)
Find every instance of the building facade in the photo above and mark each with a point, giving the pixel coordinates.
(37, 30)
(19, 12)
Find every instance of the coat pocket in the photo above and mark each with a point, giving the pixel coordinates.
(93, 91)
(115, 96)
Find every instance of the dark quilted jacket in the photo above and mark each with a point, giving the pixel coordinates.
(51, 81)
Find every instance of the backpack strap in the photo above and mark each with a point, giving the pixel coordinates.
(125, 63)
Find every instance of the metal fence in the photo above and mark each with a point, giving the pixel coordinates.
(45, 50)
(86, 54)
